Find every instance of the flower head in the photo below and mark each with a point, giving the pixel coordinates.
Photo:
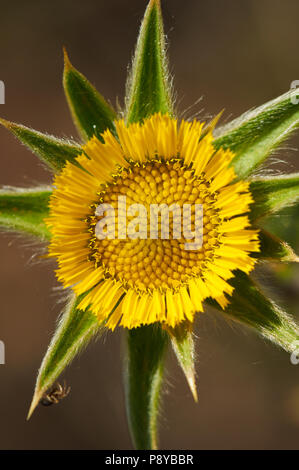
(153, 217)
(140, 279)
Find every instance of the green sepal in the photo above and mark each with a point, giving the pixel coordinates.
(74, 331)
(51, 150)
(182, 340)
(144, 364)
(274, 249)
(149, 86)
(257, 133)
(24, 210)
(285, 225)
(91, 113)
(249, 306)
(272, 194)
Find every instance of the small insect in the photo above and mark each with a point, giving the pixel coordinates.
(57, 394)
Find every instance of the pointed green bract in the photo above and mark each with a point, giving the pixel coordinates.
(144, 363)
(75, 330)
(272, 194)
(249, 306)
(24, 210)
(285, 225)
(183, 346)
(274, 249)
(257, 133)
(148, 87)
(91, 113)
(51, 150)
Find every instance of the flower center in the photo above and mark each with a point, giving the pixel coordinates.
(167, 261)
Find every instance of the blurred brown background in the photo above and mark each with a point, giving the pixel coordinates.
(236, 55)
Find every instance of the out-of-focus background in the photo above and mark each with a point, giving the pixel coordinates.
(236, 55)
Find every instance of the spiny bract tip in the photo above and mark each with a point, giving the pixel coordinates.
(35, 401)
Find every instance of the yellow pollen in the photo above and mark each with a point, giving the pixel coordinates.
(146, 264)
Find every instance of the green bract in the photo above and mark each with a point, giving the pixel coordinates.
(252, 138)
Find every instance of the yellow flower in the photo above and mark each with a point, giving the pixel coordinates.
(141, 280)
